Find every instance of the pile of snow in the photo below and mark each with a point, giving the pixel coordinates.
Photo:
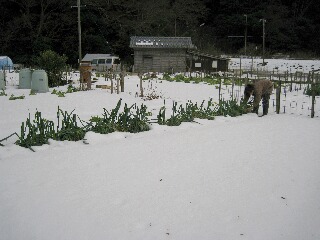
(230, 178)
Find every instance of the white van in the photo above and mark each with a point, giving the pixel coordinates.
(102, 62)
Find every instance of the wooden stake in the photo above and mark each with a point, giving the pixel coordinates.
(278, 94)
(141, 87)
(290, 82)
(111, 79)
(313, 90)
(118, 84)
(122, 80)
(220, 90)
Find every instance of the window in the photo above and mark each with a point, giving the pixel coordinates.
(109, 61)
(214, 64)
(94, 61)
(116, 61)
(101, 61)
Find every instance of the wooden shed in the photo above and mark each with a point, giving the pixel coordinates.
(172, 54)
(199, 61)
(160, 54)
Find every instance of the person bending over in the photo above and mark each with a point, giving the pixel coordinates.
(260, 90)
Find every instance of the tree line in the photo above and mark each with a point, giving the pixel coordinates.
(29, 27)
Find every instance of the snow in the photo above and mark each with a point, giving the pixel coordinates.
(276, 65)
(247, 177)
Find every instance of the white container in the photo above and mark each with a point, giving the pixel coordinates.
(25, 76)
(39, 82)
(2, 83)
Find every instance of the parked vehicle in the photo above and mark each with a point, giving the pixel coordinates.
(102, 62)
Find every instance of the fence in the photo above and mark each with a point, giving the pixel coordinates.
(288, 83)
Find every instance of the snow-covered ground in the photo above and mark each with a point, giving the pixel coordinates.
(275, 65)
(247, 177)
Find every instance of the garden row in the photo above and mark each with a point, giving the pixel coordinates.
(70, 89)
(133, 119)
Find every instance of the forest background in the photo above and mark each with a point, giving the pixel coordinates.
(29, 27)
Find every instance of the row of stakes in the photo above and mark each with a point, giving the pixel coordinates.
(292, 105)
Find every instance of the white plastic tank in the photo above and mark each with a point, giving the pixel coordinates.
(25, 76)
(39, 82)
(2, 83)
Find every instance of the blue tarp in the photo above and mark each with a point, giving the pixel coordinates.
(6, 62)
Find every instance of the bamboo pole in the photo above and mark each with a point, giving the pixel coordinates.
(111, 79)
(291, 82)
(141, 87)
(122, 80)
(118, 84)
(220, 89)
(313, 99)
(278, 94)
(232, 88)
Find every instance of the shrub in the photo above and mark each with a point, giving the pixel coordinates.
(53, 64)
(308, 90)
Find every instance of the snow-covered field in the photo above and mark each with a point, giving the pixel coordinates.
(247, 177)
(275, 65)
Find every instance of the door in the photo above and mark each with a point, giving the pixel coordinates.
(147, 63)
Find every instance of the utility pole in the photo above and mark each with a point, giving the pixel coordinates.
(80, 52)
(245, 35)
(79, 35)
(79, 30)
(263, 38)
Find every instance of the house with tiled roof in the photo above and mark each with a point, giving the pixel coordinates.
(160, 54)
(172, 54)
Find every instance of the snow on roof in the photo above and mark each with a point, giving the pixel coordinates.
(89, 57)
(160, 42)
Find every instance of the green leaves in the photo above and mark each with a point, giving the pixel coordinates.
(35, 132)
(53, 64)
(126, 121)
(133, 119)
(230, 108)
(12, 97)
(3, 93)
(314, 87)
(38, 131)
(186, 114)
(192, 111)
(71, 89)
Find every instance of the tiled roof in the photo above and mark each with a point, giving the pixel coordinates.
(161, 42)
(197, 53)
(89, 57)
